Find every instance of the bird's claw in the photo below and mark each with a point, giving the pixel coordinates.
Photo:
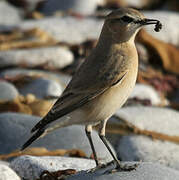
(126, 167)
(112, 167)
(100, 167)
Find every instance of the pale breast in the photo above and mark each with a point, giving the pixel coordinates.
(105, 105)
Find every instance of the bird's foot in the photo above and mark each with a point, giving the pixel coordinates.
(103, 167)
(125, 167)
(113, 167)
(100, 167)
(117, 166)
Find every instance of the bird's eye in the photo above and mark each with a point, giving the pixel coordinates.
(127, 19)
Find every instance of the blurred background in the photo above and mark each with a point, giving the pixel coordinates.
(42, 44)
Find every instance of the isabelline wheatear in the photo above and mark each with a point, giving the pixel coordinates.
(103, 82)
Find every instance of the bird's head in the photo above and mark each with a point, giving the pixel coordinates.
(124, 23)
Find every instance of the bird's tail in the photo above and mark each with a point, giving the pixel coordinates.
(39, 133)
(45, 129)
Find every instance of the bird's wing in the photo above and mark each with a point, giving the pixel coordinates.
(85, 86)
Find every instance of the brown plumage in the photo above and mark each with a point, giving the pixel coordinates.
(103, 82)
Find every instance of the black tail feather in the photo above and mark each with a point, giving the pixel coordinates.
(39, 125)
(36, 126)
(33, 138)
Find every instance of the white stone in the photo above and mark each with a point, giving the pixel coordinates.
(74, 30)
(63, 79)
(56, 57)
(4, 163)
(79, 6)
(136, 148)
(142, 92)
(42, 88)
(9, 15)
(161, 120)
(67, 29)
(7, 173)
(30, 167)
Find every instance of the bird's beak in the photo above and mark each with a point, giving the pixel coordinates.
(158, 25)
(149, 21)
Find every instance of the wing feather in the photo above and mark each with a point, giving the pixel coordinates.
(81, 90)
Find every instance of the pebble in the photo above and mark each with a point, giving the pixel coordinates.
(63, 79)
(42, 88)
(141, 148)
(143, 92)
(30, 167)
(6, 173)
(160, 120)
(8, 91)
(54, 57)
(67, 29)
(9, 15)
(4, 163)
(86, 7)
(74, 30)
(15, 130)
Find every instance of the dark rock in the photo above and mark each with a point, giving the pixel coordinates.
(15, 130)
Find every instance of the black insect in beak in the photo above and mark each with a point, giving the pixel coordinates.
(158, 24)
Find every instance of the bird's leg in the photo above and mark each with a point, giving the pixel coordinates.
(88, 130)
(103, 138)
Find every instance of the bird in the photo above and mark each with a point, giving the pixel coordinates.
(103, 82)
